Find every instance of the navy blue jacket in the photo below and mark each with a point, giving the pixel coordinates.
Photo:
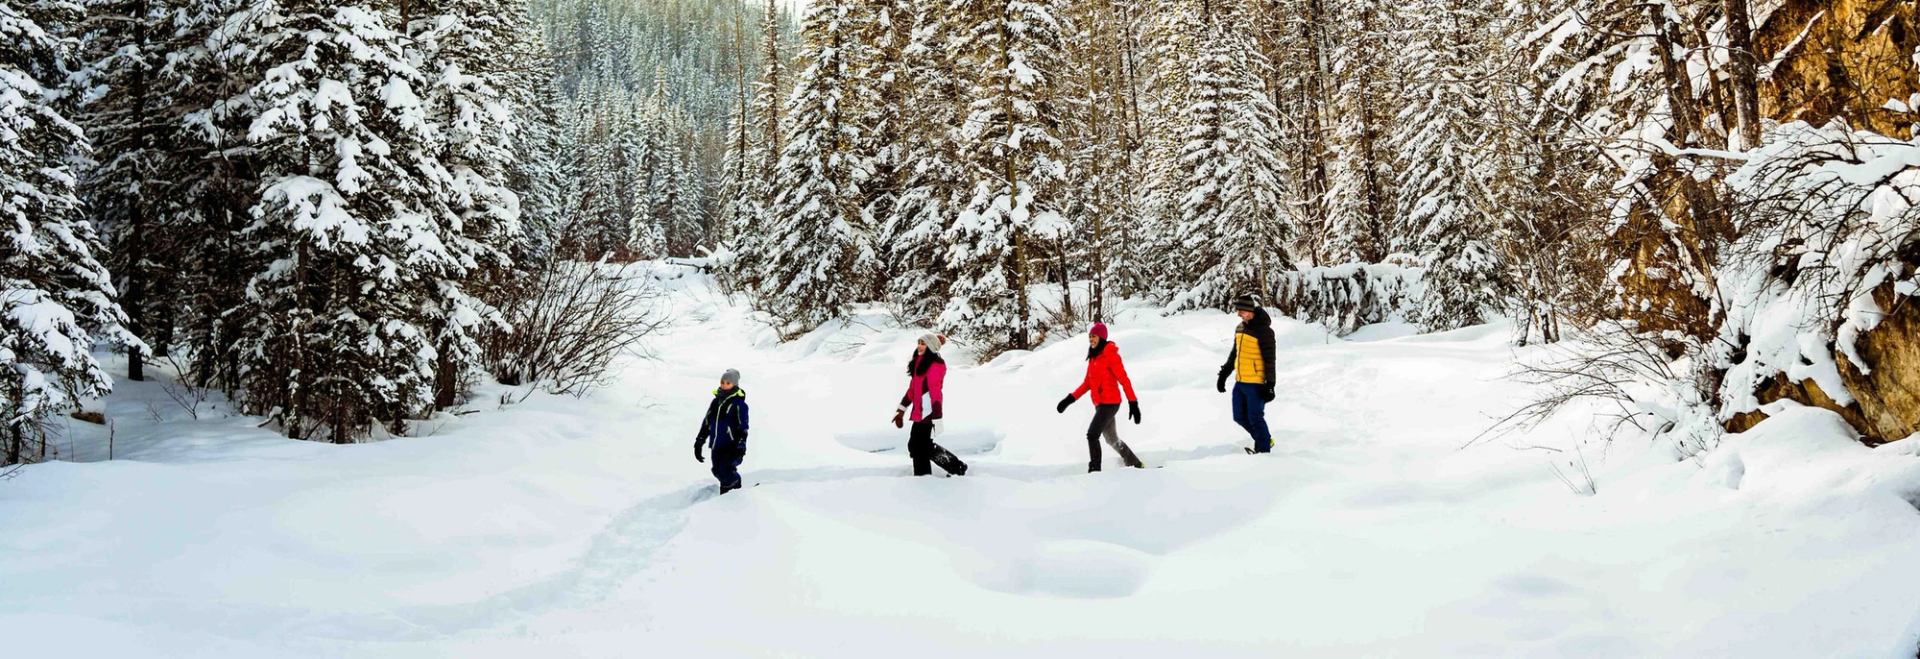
(726, 421)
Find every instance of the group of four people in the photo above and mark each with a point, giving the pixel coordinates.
(1250, 364)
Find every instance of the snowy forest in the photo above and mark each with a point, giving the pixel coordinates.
(329, 211)
(343, 214)
(1212, 328)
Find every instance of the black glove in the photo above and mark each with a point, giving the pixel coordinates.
(1133, 411)
(936, 412)
(1266, 393)
(1064, 402)
(1222, 384)
(698, 445)
(900, 418)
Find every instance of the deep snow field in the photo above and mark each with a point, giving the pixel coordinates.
(561, 526)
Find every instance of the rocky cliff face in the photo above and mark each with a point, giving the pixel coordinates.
(1819, 61)
(1851, 60)
(1845, 59)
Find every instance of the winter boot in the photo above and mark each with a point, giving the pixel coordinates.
(1127, 456)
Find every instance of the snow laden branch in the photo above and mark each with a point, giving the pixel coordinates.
(1346, 297)
(1833, 237)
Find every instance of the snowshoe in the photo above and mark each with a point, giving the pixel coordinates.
(950, 462)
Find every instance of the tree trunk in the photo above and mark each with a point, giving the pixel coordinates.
(1743, 73)
(1701, 202)
(1313, 102)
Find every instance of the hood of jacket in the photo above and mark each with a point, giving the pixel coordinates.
(1260, 320)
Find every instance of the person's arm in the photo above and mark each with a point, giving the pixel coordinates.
(906, 400)
(700, 438)
(936, 385)
(1220, 384)
(743, 422)
(1086, 384)
(1266, 356)
(1120, 373)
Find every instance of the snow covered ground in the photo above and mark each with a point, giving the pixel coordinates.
(582, 527)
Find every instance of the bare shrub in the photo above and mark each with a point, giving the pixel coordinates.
(1640, 385)
(183, 392)
(569, 320)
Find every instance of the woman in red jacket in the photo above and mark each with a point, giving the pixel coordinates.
(1106, 378)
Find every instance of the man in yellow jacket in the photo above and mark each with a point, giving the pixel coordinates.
(1252, 361)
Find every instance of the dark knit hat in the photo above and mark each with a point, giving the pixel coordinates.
(1099, 330)
(1246, 303)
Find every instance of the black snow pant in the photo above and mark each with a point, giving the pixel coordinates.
(926, 454)
(1105, 422)
(726, 466)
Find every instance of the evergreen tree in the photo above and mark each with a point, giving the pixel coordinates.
(546, 179)
(817, 238)
(55, 297)
(768, 110)
(1441, 133)
(885, 28)
(1234, 223)
(651, 180)
(914, 234)
(1010, 142)
(346, 246)
(1361, 225)
(470, 101)
(770, 92)
(133, 189)
(736, 185)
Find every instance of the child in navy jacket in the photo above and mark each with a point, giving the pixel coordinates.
(724, 429)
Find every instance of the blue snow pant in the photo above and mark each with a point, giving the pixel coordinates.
(1251, 413)
(726, 465)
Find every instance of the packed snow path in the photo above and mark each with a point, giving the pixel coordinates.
(582, 527)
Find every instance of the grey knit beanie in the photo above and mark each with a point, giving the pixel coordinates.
(934, 342)
(730, 376)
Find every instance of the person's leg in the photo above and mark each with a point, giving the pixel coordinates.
(1112, 434)
(1256, 415)
(726, 467)
(919, 447)
(948, 461)
(718, 465)
(1239, 395)
(1102, 417)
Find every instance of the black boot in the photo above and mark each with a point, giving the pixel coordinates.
(1127, 456)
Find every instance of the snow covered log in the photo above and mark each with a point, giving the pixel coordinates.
(1346, 297)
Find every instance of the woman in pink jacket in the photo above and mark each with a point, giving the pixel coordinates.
(926, 372)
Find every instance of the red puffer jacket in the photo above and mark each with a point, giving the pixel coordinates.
(1106, 377)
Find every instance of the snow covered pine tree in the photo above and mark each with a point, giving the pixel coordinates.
(55, 298)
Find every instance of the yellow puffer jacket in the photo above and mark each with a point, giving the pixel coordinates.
(1252, 356)
(1247, 362)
